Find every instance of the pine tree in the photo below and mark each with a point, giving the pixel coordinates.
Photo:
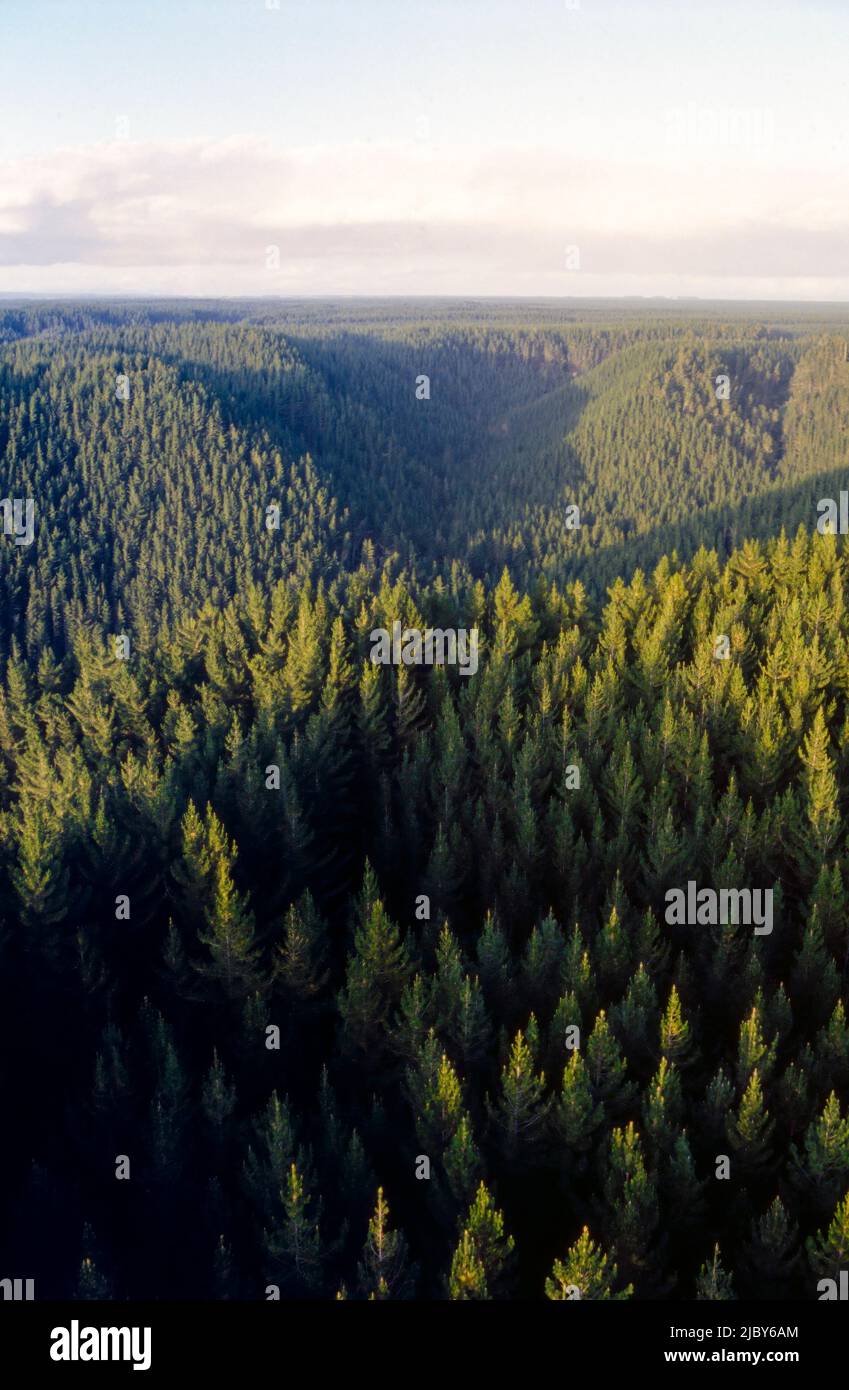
(683, 1193)
(294, 1244)
(820, 788)
(267, 1166)
(372, 719)
(494, 962)
(576, 1116)
(752, 1051)
(607, 1068)
(169, 1107)
(814, 980)
(542, 965)
(467, 1278)
(822, 1169)
(448, 982)
(218, 1097)
(377, 972)
(410, 712)
(300, 965)
(470, 1030)
(414, 1018)
(518, 1115)
(462, 1161)
(40, 877)
(440, 1099)
(714, 1284)
(772, 1253)
(91, 1283)
(750, 1130)
(832, 1049)
(494, 1249)
(194, 871)
(662, 1107)
(587, 1273)
(634, 1020)
(631, 1200)
(828, 1251)
(230, 933)
(675, 1039)
(383, 1268)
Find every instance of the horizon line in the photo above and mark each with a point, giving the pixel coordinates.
(89, 295)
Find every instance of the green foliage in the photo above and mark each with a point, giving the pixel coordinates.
(714, 1284)
(541, 1033)
(383, 1269)
(518, 1114)
(586, 1273)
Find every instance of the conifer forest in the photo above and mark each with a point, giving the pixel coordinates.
(344, 968)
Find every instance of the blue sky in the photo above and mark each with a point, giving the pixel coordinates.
(451, 146)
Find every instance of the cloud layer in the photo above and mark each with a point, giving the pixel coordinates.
(241, 217)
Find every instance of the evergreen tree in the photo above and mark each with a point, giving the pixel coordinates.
(293, 1244)
(714, 1284)
(467, 1278)
(377, 972)
(518, 1114)
(587, 1273)
(828, 1250)
(494, 1249)
(383, 1269)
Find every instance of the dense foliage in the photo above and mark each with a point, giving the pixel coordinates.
(442, 896)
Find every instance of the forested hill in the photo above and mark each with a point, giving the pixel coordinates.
(280, 923)
(151, 505)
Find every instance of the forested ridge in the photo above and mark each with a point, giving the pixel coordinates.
(279, 923)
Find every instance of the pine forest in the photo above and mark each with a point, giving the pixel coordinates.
(340, 966)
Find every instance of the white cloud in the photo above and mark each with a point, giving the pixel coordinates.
(196, 217)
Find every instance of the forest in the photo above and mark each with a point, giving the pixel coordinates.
(322, 978)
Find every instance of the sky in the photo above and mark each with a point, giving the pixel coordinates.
(425, 147)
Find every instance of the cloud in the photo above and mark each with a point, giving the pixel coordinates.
(199, 217)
